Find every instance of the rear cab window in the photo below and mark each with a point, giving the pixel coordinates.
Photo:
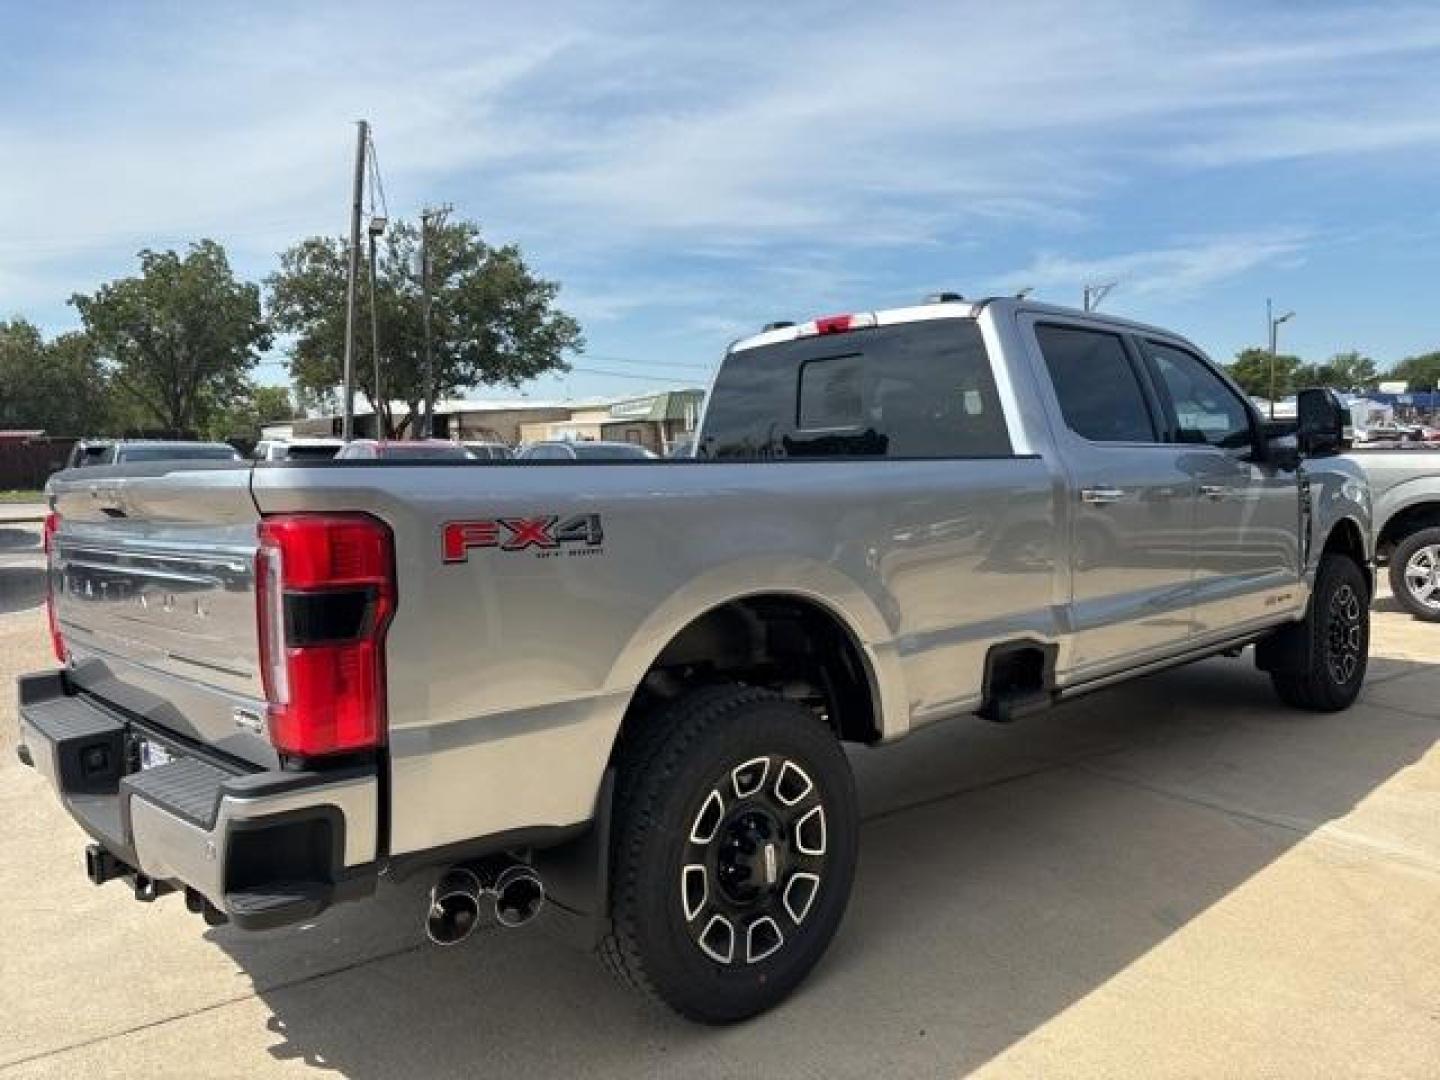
(909, 390)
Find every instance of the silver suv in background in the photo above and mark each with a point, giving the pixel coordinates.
(622, 687)
(403, 450)
(584, 450)
(1405, 487)
(299, 449)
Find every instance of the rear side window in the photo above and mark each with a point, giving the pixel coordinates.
(1096, 384)
(916, 390)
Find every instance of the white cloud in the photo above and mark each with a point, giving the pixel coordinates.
(1183, 269)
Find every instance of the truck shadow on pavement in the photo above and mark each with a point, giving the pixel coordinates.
(21, 585)
(1005, 874)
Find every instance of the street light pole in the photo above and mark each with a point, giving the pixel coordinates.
(429, 360)
(362, 138)
(1274, 325)
(377, 227)
(429, 219)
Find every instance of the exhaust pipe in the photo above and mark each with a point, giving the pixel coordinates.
(519, 895)
(454, 906)
(101, 866)
(510, 891)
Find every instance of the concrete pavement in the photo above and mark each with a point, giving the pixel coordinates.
(1174, 878)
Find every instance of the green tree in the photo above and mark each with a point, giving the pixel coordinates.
(54, 386)
(1251, 369)
(249, 411)
(1350, 371)
(493, 321)
(273, 404)
(1422, 372)
(179, 339)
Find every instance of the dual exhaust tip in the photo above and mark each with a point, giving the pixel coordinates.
(510, 893)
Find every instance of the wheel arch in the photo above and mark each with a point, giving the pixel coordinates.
(1347, 538)
(803, 645)
(1422, 513)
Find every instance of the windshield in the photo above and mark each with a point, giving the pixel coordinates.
(179, 452)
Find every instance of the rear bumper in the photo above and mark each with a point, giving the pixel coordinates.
(264, 848)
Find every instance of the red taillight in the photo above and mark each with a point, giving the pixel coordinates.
(325, 592)
(57, 639)
(836, 324)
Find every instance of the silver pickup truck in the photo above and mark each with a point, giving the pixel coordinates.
(622, 688)
(1405, 491)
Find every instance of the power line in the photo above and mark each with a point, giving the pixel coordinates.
(614, 374)
(650, 363)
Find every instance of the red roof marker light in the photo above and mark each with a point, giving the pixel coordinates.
(837, 324)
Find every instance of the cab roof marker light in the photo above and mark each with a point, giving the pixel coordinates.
(837, 324)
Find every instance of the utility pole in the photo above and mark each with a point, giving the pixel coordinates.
(1093, 294)
(427, 411)
(362, 138)
(1274, 324)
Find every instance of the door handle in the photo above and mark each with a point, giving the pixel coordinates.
(1213, 491)
(1101, 496)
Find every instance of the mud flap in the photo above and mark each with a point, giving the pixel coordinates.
(577, 878)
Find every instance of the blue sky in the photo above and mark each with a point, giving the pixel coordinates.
(689, 172)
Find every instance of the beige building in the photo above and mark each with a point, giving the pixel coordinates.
(656, 421)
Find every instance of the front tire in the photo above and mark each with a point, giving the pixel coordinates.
(734, 852)
(1326, 653)
(1415, 574)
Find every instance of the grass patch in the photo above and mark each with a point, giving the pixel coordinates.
(22, 496)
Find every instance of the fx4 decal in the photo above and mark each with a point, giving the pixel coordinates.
(547, 533)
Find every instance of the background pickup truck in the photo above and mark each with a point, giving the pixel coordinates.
(626, 684)
(1405, 490)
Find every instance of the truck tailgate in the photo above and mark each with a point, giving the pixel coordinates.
(154, 578)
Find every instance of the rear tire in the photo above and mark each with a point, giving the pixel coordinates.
(733, 855)
(1326, 653)
(1415, 574)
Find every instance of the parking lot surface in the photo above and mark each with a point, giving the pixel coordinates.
(1175, 878)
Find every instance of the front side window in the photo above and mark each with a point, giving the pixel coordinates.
(1096, 384)
(1206, 409)
(912, 390)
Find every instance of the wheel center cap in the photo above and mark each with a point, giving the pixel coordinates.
(751, 856)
